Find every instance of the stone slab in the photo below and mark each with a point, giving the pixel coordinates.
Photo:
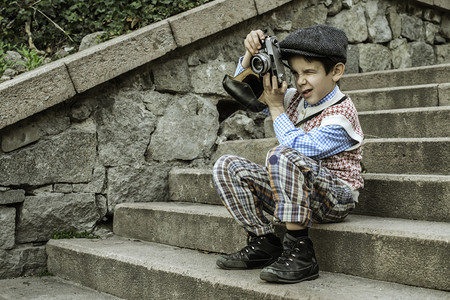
(263, 6)
(398, 77)
(379, 241)
(209, 19)
(49, 288)
(444, 94)
(34, 91)
(406, 123)
(12, 196)
(112, 58)
(395, 97)
(146, 270)
(384, 155)
(418, 197)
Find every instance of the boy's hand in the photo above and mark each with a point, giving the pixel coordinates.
(273, 95)
(252, 45)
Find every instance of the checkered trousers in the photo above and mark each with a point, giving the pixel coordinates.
(291, 187)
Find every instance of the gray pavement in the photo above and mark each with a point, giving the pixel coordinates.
(47, 288)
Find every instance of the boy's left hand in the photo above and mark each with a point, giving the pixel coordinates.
(273, 95)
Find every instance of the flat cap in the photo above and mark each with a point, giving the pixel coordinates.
(316, 41)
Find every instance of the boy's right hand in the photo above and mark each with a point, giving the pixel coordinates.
(252, 45)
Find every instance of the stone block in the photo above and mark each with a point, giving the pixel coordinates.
(124, 127)
(22, 261)
(11, 196)
(32, 129)
(352, 22)
(212, 73)
(68, 157)
(374, 57)
(107, 60)
(263, 6)
(444, 94)
(193, 138)
(210, 18)
(47, 213)
(8, 226)
(172, 76)
(34, 91)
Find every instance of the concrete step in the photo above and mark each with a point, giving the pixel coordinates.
(427, 95)
(399, 77)
(406, 123)
(388, 249)
(387, 155)
(417, 197)
(48, 288)
(135, 269)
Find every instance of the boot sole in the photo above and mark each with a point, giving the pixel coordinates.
(270, 277)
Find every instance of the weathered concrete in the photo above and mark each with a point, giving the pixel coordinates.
(406, 123)
(110, 59)
(369, 237)
(411, 76)
(147, 270)
(49, 288)
(154, 222)
(418, 197)
(210, 18)
(192, 185)
(33, 92)
(395, 97)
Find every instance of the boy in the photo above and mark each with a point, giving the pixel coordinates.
(313, 175)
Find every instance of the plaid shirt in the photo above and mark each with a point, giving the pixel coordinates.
(321, 142)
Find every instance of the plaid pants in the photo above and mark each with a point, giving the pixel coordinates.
(291, 187)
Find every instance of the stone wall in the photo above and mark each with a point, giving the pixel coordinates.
(67, 167)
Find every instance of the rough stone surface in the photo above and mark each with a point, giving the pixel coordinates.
(52, 121)
(213, 74)
(412, 27)
(173, 76)
(381, 57)
(421, 53)
(124, 127)
(378, 27)
(47, 213)
(23, 260)
(213, 17)
(72, 157)
(112, 58)
(146, 183)
(33, 92)
(11, 196)
(353, 22)
(7, 224)
(185, 139)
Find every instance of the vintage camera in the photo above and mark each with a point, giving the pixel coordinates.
(269, 59)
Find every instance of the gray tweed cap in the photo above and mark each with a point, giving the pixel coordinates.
(316, 41)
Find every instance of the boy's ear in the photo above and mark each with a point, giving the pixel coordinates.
(338, 71)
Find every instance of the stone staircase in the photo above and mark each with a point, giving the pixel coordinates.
(395, 245)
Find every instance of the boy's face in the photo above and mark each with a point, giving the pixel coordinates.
(311, 80)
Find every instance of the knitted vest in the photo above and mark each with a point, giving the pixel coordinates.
(347, 164)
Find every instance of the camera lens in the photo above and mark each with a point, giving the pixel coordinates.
(260, 63)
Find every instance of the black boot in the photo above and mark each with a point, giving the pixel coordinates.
(258, 253)
(297, 263)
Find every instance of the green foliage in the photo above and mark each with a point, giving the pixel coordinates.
(32, 58)
(45, 272)
(54, 23)
(70, 234)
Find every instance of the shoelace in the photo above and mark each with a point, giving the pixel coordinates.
(290, 253)
(250, 245)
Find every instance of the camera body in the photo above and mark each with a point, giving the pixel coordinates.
(269, 59)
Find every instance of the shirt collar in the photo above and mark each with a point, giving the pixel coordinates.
(324, 99)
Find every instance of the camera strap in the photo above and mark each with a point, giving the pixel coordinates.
(318, 113)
